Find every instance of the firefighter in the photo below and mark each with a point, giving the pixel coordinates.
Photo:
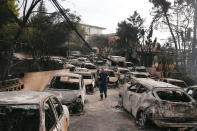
(103, 80)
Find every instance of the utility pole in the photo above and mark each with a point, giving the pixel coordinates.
(194, 39)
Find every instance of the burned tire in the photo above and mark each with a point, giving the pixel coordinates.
(117, 84)
(120, 101)
(173, 129)
(142, 120)
(80, 107)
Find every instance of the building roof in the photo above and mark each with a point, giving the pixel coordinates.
(26, 97)
(92, 26)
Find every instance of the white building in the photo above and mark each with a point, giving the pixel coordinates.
(92, 30)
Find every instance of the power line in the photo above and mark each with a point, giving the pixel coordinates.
(60, 9)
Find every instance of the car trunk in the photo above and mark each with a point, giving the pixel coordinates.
(176, 104)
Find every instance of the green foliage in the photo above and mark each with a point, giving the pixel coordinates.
(100, 41)
(162, 5)
(8, 25)
(5, 15)
(130, 31)
(46, 34)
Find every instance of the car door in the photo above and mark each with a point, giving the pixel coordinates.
(50, 116)
(128, 92)
(137, 98)
(62, 121)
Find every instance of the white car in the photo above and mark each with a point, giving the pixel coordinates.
(164, 104)
(79, 69)
(113, 78)
(32, 111)
(122, 73)
(70, 89)
(89, 81)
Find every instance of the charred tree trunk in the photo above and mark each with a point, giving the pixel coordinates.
(194, 40)
(174, 39)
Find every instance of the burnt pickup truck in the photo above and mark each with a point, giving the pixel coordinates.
(164, 104)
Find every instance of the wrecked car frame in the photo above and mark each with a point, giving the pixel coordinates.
(32, 111)
(164, 104)
(89, 81)
(70, 89)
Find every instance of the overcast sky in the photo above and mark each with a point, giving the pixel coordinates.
(107, 13)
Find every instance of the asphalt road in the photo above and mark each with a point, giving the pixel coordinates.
(105, 116)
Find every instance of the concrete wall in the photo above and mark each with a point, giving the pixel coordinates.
(36, 81)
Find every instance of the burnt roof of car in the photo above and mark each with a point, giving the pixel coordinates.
(140, 67)
(150, 83)
(109, 70)
(83, 72)
(140, 73)
(171, 79)
(121, 68)
(23, 97)
(67, 74)
(194, 86)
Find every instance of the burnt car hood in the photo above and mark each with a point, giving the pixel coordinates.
(65, 96)
(88, 81)
(113, 79)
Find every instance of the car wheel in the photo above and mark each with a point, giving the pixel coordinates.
(173, 129)
(117, 84)
(81, 108)
(142, 120)
(120, 101)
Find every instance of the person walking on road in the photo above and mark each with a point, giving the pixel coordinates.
(103, 80)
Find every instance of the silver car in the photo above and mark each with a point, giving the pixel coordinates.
(32, 111)
(164, 104)
(69, 88)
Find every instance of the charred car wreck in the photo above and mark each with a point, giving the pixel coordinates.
(32, 111)
(89, 81)
(70, 89)
(164, 104)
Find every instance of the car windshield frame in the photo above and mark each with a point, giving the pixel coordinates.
(141, 76)
(141, 70)
(25, 107)
(169, 97)
(181, 84)
(124, 71)
(111, 73)
(93, 67)
(57, 83)
(85, 77)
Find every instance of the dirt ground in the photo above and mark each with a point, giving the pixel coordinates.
(105, 116)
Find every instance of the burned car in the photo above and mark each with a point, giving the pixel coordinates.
(176, 82)
(133, 75)
(32, 111)
(113, 78)
(89, 81)
(164, 104)
(70, 67)
(70, 89)
(79, 69)
(91, 67)
(122, 73)
(192, 91)
(140, 69)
